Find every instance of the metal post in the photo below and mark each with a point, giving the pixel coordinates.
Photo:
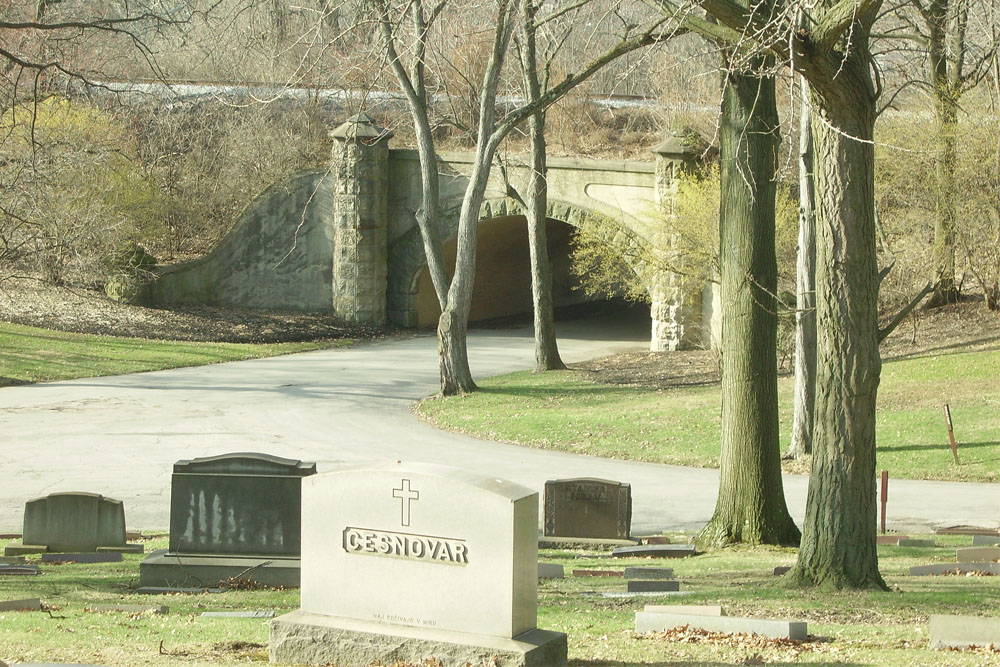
(882, 499)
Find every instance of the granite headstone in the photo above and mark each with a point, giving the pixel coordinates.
(588, 507)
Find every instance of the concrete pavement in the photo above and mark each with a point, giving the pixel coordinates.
(119, 436)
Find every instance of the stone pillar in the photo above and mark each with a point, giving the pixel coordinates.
(360, 220)
(675, 305)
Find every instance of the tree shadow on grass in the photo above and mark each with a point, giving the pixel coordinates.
(938, 445)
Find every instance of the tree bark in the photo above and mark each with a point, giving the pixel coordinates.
(838, 547)
(805, 293)
(751, 503)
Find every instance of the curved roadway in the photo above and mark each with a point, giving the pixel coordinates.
(119, 436)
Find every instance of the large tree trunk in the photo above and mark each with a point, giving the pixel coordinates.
(751, 503)
(946, 49)
(805, 293)
(546, 349)
(838, 539)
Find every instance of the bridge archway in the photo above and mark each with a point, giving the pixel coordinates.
(502, 286)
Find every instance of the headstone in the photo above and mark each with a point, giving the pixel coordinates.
(235, 515)
(655, 551)
(409, 562)
(781, 569)
(588, 507)
(111, 557)
(978, 554)
(954, 568)
(649, 573)
(964, 631)
(28, 604)
(926, 544)
(659, 622)
(639, 585)
(985, 540)
(550, 571)
(75, 522)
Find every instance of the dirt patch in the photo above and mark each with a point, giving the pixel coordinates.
(89, 311)
(960, 326)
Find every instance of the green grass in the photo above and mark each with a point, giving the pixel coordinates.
(847, 627)
(28, 354)
(564, 411)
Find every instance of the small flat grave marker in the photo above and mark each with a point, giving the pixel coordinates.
(660, 622)
(27, 604)
(964, 631)
(916, 543)
(237, 614)
(985, 540)
(98, 557)
(129, 608)
(968, 530)
(978, 554)
(642, 594)
(588, 507)
(15, 570)
(641, 586)
(655, 551)
(954, 568)
(172, 590)
(598, 573)
(649, 573)
(696, 609)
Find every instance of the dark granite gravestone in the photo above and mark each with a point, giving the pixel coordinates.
(586, 507)
(232, 515)
(78, 522)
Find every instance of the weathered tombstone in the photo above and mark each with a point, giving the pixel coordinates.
(978, 554)
(78, 522)
(985, 540)
(411, 562)
(235, 515)
(589, 508)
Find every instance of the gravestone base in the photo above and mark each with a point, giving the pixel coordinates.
(18, 549)
(304, 638)
(166, 570)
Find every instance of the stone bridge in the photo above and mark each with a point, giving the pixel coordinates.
(346, 238)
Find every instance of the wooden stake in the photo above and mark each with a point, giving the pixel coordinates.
(951, 433)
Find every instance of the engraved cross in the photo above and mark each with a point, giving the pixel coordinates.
(405, 495)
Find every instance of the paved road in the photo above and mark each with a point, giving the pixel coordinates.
(119, 436)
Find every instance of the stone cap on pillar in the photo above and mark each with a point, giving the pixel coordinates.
(683, 145)
(361, 127)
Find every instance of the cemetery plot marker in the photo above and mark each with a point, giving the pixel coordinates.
(236, 515)
(405, 563)
(77, 522)
(589, 508)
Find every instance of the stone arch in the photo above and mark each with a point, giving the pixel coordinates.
(407, 258)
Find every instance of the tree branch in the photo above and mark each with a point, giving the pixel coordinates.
(901, 315)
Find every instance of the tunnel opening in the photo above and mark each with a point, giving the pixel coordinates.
(502, 292)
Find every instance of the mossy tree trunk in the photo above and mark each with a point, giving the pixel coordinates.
(751, 503)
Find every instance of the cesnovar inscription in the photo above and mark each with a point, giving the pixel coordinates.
(393, 544)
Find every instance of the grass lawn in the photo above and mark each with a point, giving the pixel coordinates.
(563, 410)
(28, 354)
(850, 628)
